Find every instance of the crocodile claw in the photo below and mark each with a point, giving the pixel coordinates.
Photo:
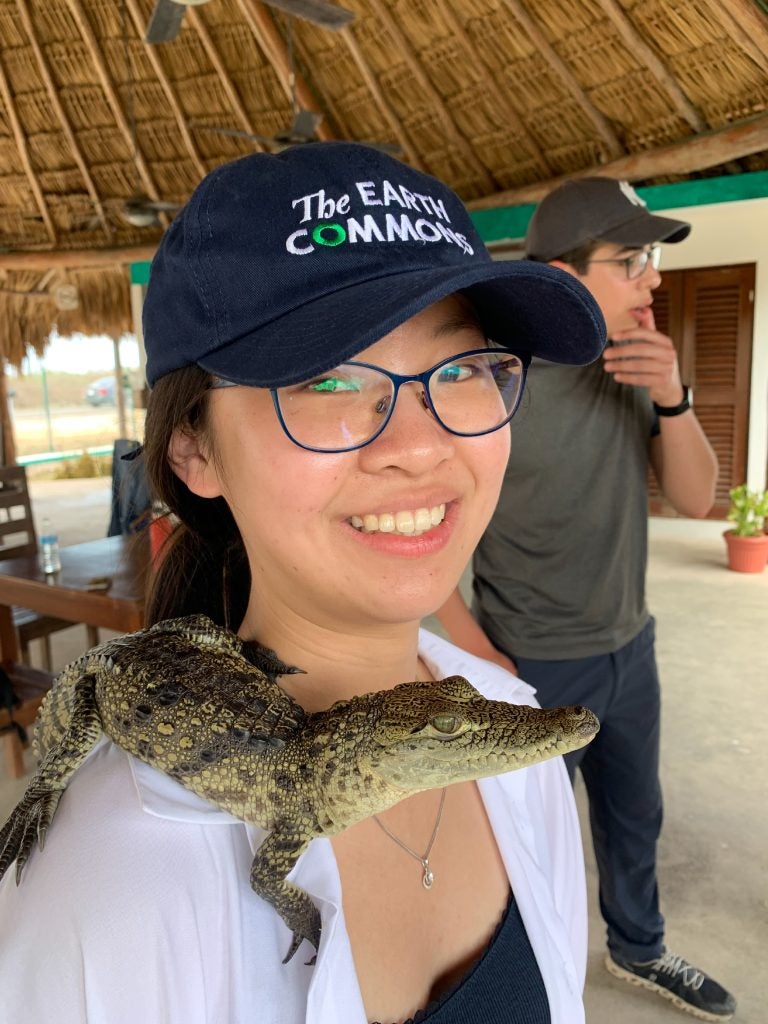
(27, 826)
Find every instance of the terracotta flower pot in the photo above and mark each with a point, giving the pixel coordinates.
(746, 554)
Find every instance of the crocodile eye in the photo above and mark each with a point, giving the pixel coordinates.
(446, 723)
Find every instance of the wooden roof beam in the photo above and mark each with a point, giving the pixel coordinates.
(404, 48)
(274, 49)
(23, 150)
(492, 87)
(695, 154)
(638, 47)
(113, 99)
(58, 109)
(194, 18)
(381, 101)
(75, 259)
(165, 84)
(599, 122)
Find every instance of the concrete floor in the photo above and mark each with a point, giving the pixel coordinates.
(713, 856)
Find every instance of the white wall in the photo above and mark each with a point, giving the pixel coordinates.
(723, 234)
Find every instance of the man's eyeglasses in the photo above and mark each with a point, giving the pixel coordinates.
(637, 264)
(469, 394)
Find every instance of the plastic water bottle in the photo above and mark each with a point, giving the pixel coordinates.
(50, 560)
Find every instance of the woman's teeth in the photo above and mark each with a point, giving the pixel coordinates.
(410, 523)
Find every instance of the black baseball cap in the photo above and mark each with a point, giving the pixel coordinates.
(281, 266)
(584, 210)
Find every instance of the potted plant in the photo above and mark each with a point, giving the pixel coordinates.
(747, 542)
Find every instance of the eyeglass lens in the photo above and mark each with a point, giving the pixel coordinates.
(637, 264)
(347, 406)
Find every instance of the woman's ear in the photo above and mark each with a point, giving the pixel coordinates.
(192, 465)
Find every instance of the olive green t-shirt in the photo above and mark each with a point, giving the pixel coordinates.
(560, 571)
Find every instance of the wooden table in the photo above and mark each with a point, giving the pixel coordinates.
(65, 594)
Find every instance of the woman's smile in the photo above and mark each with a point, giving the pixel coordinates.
(408, 522)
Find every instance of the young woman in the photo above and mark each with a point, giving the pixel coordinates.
(334, 362)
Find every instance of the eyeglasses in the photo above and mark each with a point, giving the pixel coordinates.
(469, 394)
(636, 264)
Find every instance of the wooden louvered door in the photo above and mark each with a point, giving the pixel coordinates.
(709, 314)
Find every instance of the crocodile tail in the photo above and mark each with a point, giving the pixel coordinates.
(30, 819)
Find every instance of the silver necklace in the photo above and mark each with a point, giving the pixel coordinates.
(428, 877)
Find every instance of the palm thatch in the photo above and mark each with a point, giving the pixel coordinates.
(497, 97)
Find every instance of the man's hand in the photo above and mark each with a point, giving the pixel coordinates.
(646, 358)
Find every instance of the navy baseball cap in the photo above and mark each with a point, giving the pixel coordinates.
(284, 265)
(594, 209)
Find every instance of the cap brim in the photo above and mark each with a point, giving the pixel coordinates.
(645, 230)
(530, 308)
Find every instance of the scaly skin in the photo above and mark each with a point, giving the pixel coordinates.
(201, 705)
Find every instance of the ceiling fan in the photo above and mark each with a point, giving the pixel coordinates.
(305, 122)
(167, 15)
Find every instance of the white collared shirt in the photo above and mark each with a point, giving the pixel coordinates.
(140, 908)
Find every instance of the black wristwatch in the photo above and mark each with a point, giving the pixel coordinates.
(675, 410)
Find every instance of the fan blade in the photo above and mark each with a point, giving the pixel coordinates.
(162, 206)
(318, 11)
(165, 22)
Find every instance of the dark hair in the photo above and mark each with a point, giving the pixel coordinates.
(203, 567)
(577, 258)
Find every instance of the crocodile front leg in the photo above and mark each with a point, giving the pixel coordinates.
(273, 861)
(30, 819)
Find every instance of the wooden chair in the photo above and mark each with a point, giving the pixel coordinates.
(17, 538)
(18, 708)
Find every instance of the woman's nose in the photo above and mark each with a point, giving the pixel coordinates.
(412, 439)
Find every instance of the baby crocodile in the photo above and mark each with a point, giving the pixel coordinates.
(202, 705)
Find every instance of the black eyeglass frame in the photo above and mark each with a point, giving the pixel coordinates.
(652, 256)
(398, 380)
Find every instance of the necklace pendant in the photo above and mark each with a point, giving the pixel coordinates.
(428, 879)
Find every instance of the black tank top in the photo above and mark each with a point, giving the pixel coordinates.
(503, 987)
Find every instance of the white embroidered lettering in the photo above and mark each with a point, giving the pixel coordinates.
(401, 228)
(292, 247)
(427, 231)
(409, 199)
(366, 231)
(390, 194)
(367, 190)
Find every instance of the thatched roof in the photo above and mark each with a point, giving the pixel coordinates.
(497, 97)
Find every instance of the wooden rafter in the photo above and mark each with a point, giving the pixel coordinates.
(492, 87)
(599, 122)
(23, 151)
(648, 58)
(165, 85)
(110, 93)
(696, 154)
(76, 259)
(746, 26)
(406, 51)
(274, 49)
(61, 115)
(194, 18)
(379, 98)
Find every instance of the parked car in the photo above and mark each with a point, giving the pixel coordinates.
(101, 392)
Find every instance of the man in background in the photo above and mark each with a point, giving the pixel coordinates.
(559, 577)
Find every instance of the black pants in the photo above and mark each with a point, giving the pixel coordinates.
(620, 770)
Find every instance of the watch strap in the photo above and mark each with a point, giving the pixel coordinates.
(675, 410)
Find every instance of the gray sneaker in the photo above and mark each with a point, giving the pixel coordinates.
(683, 984)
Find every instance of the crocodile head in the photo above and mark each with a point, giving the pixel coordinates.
(433, 734)
(421, 736)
